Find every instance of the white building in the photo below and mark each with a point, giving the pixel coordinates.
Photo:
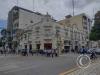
(35, 31)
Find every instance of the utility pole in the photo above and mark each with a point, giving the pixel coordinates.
(33, 5)
(73, 5)
(17, 2)
(46, 1)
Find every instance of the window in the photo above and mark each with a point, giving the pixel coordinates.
(21, 38)
(37, 28)
(48, 26)
(29, 34)
(31, 21)
(15, 14)
(25, 36)
(16, 25)
(47, 32)
(47, 19)
(37, 37)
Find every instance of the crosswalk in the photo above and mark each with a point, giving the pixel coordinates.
(8, 67)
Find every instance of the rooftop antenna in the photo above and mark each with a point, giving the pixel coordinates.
(46, 1)
(93, 17)
(17, 2)
(33, 5)
(73, 5)
(93, 13)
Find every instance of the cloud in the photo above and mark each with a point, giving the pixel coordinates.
(57, 8)
(79, 3)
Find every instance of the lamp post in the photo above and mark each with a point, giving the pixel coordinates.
(73, 4)
(58, 41)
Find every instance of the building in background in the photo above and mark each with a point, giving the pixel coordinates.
(79, 27)
(33, 31)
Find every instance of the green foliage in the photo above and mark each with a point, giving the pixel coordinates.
(95, 32)
(4, 32)
(0, 42)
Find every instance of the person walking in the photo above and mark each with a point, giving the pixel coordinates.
(52, 52)
(82, 50)
(93, 54)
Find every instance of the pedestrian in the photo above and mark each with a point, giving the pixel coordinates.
(56, 52)
(52, 52)
(82, 50)
(72, 50)
(93, 54)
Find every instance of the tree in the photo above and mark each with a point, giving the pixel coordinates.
(4, 32)
(1, 42)
(4, 37)
(95, 32)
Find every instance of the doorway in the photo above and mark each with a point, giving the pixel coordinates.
(25, 47)
(38, 46)
(66, 49)
(76, 48)
(30, 47)
(47, 45)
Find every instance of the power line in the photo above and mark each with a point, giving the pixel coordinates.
(46, 1)
(73, 5)
(17, 2)
(33, 4)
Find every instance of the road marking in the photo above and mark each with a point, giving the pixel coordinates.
(75, 69)
(69, 71)
(8, 67)
(22, 68)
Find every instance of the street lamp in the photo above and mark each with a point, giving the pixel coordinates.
(58, 41)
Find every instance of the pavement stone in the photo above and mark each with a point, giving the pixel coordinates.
(93, 69)
(36, 65)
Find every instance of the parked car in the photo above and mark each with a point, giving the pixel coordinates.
(98, 51)
(89, 51)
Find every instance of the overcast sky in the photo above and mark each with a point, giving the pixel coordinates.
(57, 8)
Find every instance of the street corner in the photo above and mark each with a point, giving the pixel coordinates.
(83, 61)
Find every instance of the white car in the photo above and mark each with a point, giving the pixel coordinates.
(90, 50)
(97, 51)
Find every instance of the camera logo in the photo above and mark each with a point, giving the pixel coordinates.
(83, 61)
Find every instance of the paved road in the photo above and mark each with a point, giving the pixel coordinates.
(36, 65)
(93, 69)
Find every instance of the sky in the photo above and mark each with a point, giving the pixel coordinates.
(57, 8)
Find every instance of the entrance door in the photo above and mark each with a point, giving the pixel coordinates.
(26, 47)
(47, 45)
(66, 48)
(76, 48)
(30, 47)
(38, 46)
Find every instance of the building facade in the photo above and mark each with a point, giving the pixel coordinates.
(35, 31)
(79, 28)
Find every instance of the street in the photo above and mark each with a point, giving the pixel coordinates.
(36, 65)
(93, 69)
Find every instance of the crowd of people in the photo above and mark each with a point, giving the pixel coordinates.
(45, 52)
(25, 52)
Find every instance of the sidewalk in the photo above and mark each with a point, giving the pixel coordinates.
(93, 69)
